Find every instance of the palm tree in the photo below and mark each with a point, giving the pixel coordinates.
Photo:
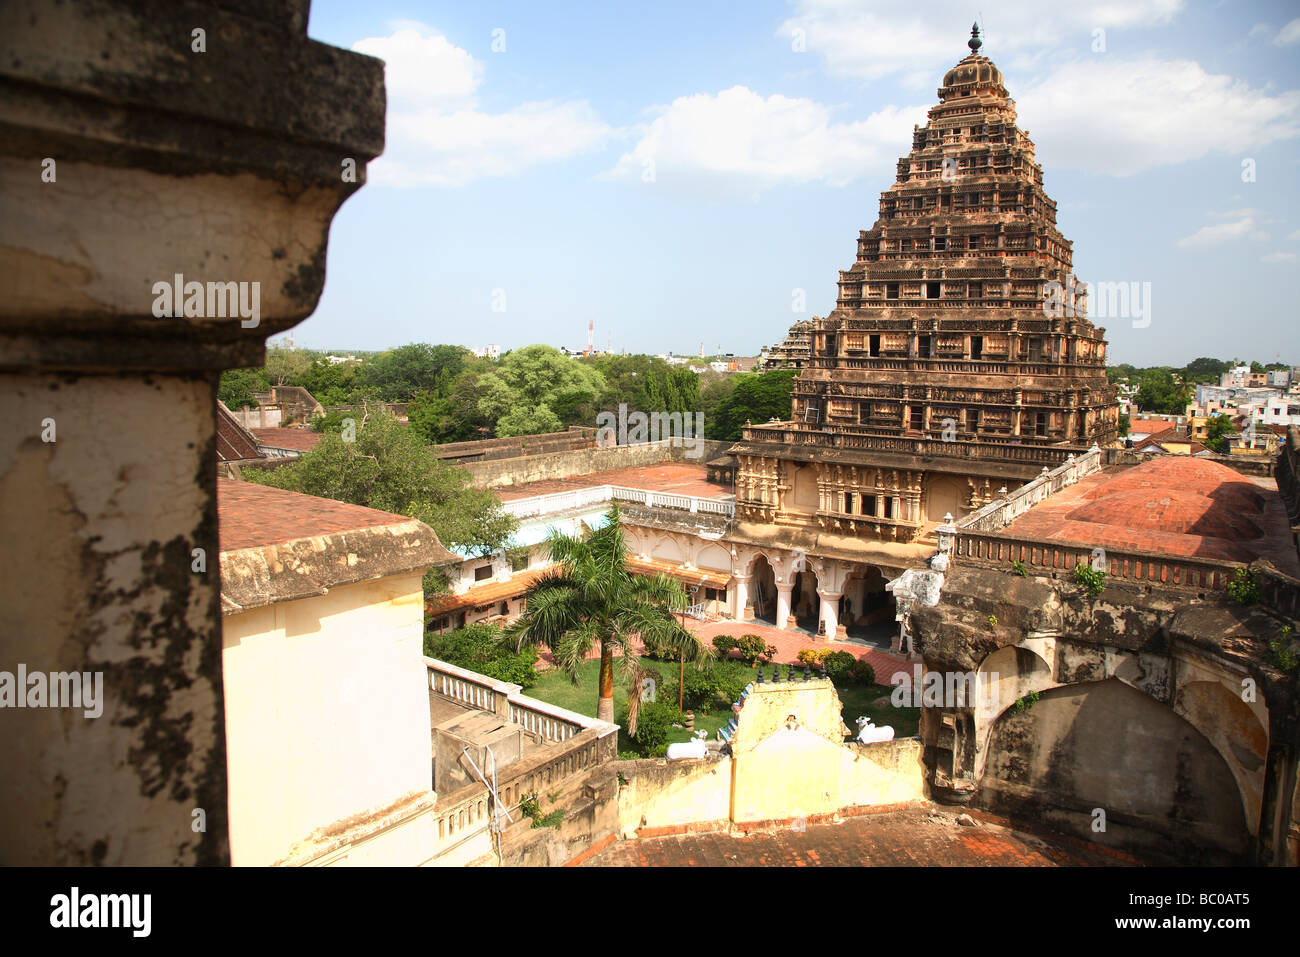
(592, 598)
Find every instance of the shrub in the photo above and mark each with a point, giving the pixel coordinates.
(1093, 579)
(1244, 587)
(531, 808)
(652, 725)
(838, 665)
(710, 688)
(724, 644)
(658, 651)
(813, 656)
(1020, 568)
(481, 648)
(862, 673)
(1024, 704)
(753, 650)
(1284, 656)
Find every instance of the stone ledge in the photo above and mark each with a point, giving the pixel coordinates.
(308, 567)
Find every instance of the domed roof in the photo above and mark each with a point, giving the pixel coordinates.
(1175, 510)
(974, 69)
(1188, 475)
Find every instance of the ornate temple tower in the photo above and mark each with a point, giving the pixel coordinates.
(957, 359)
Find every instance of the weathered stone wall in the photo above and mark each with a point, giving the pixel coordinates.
(591, 815)
(1162, 709)
(559, 465)
(131, 157)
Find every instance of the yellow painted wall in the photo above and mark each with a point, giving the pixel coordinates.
(327, 712)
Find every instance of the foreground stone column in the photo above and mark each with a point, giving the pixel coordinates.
(830, 612)
(147, 146)
(783, 594)
(738, 596)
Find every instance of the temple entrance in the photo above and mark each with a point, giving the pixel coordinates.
(762, 591)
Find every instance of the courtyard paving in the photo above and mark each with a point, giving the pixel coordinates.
(918, 835)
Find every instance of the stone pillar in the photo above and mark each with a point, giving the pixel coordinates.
(783, 593)
(738, 596)
(132, 158)
(830, 612)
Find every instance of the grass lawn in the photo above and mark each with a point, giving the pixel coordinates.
(555, 687)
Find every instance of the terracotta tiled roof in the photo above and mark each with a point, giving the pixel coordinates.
(1149, 426)
(690, 576)
(1170, 505)
(234, 442)
(251, 516)
(279, 546)
(487, 593)
(299, 440)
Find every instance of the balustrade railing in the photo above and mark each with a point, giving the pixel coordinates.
(598, 495)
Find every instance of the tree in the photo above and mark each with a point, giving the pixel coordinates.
(388, 466)
(756, 397)
(402, 372)
(540, 376)
(523, 420)
(1219, 428)
(285, 366)
(1124, 425)
(1205, 369)
(238, 385)
(1159, 391)
(592, 600)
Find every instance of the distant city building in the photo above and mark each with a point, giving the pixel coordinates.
(489, 352)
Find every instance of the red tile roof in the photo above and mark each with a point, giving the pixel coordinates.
(1149, 426)
(252, 516)
(1170, 505)
(234, 442)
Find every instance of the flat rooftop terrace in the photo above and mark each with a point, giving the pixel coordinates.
(677, 478)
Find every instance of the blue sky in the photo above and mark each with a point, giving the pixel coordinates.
(675, 172)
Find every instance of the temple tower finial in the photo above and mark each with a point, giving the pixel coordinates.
(974, 42)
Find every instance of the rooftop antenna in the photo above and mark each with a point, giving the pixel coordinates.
(591, 336)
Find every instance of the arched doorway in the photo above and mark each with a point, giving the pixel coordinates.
(1104, 746)
(867, 611)
(762, 590)
(805, 603)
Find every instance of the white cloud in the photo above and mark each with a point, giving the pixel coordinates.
(740, 143)
(1279, 258)
(921, 40)
(1107, 115)
(1259, 30)
(1295, 235)
(436, 134)
(1289, 34)
(1221, 233)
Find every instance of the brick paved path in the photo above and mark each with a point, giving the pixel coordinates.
(919, 835)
